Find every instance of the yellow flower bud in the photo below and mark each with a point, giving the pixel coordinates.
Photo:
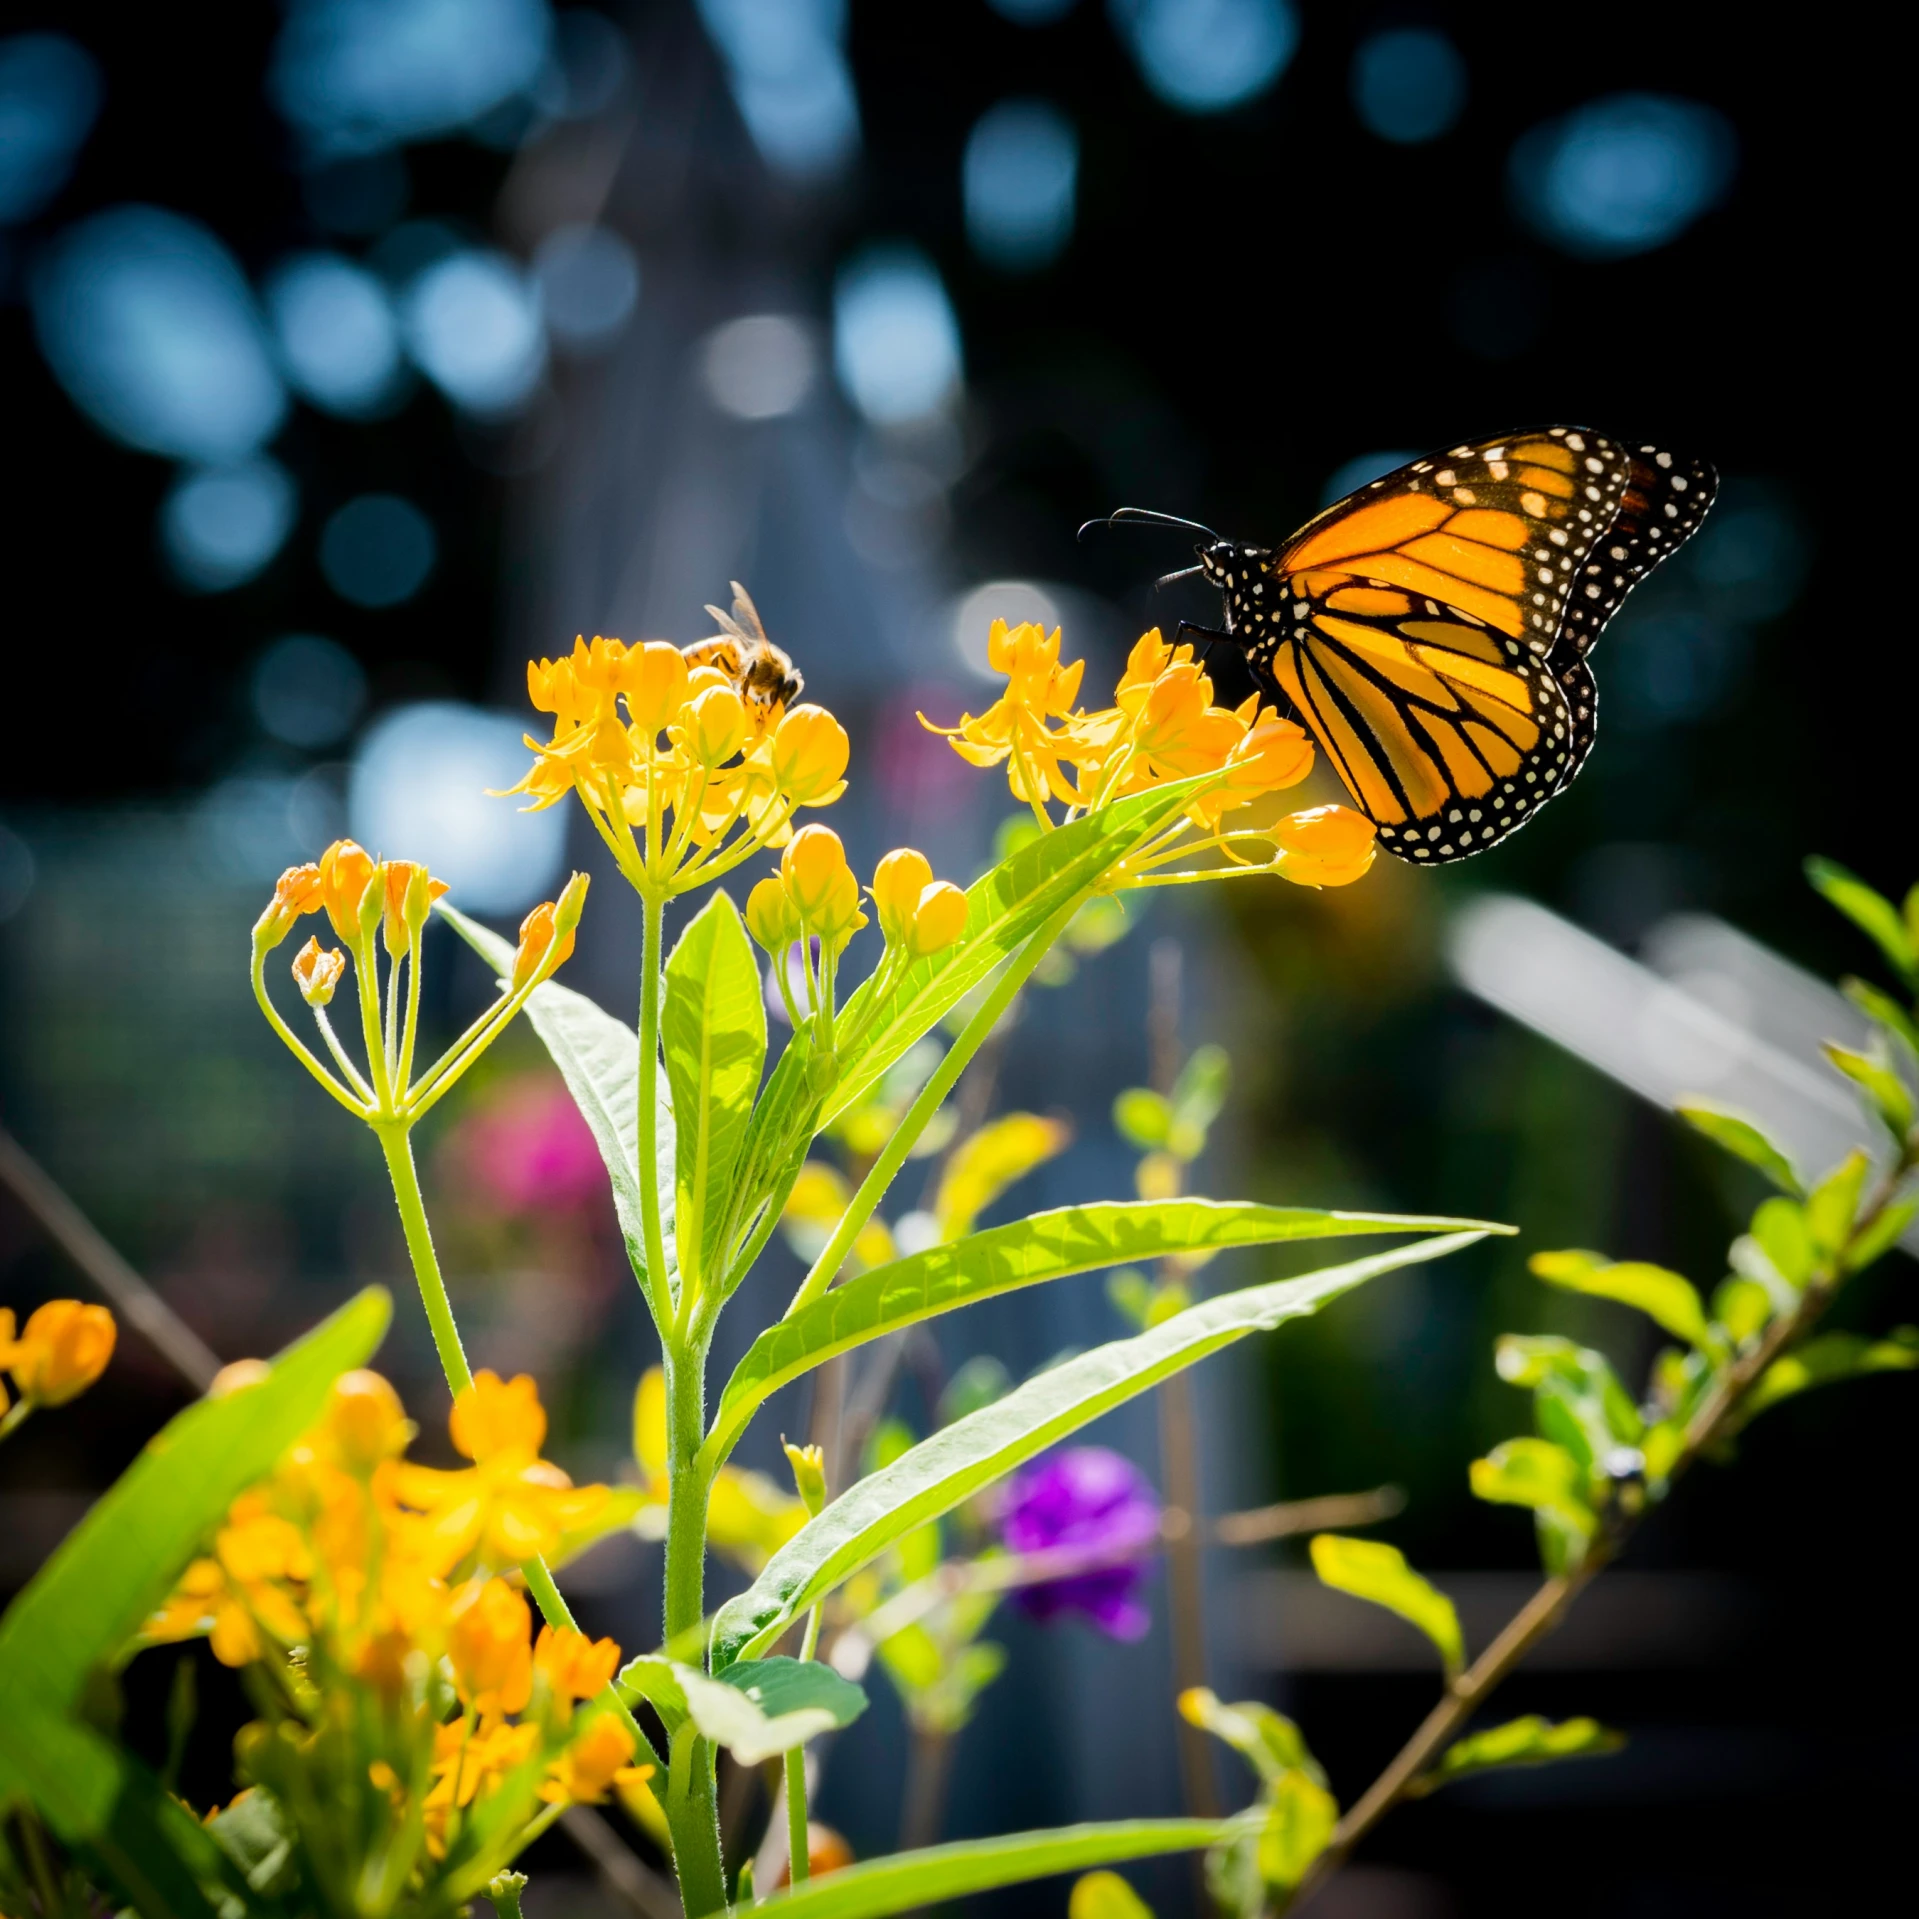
(316, 972)
(941, 919)
(64, 1349)
(771, 916)
(811, 866)
(810, 751)
(539, 931)
(346, 871)
(898, 881)
(597, 1759)
(364, 1421)
(714, 726)
(410, 891)
(575, 1666)
(571, 904)
(296, 893)
(490, 1646)
(809, 1474)
(838, 916)
(1324, 846)
(653, 678)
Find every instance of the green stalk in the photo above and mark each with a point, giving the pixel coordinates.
(886, 1168)
(799, 1849)
(659, 1296)
(396, 1143)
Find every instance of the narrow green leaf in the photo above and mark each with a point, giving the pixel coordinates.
(959, 1460)
(1871, 912)
(117, 1565)
(1883, 1088)
(904, 1881)
(1027, 1252)
(1535, 1473)
(1531, 1741)
(1741, 1137)
(1779, 1225)
(253, 1832)
(1529, 1359)
(1667, 1298)
(1269, 1742)
(1883, 1234)
(1300, 1817)
(1883, 1008)
(1834, 1204)
(1105, 1895)
(713, 1033)
(1743, 1307)
(1370, 1569)
(599, 1058)
(1830, 1358)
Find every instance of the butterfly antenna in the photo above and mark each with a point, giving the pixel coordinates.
(1146, 516)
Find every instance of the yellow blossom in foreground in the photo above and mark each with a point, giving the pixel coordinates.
(490, 1647)
(1014, 729)
(575, 1666)
(1327, 846)
(63, 1349)
(917, 913)
(597, 1760)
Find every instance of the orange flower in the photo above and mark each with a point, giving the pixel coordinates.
(296, 894)
(64, 1349)
(346, 870)
(1325, 846)
(410, 891)
(1273, 754)
(490, 1647)
(596, 1760)
(809, 755)
(1014, 728)
(575, 1666)
(364, 1423)
(821, 885)
(316, 972)
(917, 913)
(498, 1416)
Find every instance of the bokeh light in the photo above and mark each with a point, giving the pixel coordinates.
(307, 691)
(472, 325)
(896, 341)
(971, 614)
(589, 284)
(358, 194)
(220, 527)
(49, 99)
(759, 367)
(1624, 174)
(377, 551)
(588, 68)
(789, 78)
(339, 341)
(357, 75)
(149, 324)
(419, 790)
(1409, 85)
(1032, 13)
(1018, 177)
(1205, 56)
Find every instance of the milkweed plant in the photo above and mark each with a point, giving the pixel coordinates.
(426, 1703)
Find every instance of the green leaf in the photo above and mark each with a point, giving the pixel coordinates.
(768, 1710)
(1529, 1359)
(1268, 1740)
(1027, 1252)
(1883, 1088)
(599, 1058)
(1834, 1204)
(1300, 1817)
(1830, 1358)
(1004, 906)
(1144, 1118)
(1531, 1741)
(1370, 1569)
(1741, 1137)
(1883, 1234)
(980, 1168)
(253, 1832)
(904, 1881)
(1883, 1008)
(1199, 1094)
(1871, 912)
(1667, 1298)
(713, 1033)
(1105, 1895)
(1535, 1473)
(783, 1685)
(1780, 1227)
(119, 1563)
(956, 1462)
(1743, 1307)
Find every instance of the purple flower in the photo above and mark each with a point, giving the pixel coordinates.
(1086, 1506)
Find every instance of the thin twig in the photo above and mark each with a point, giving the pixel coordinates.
(1332, 1513)
(1548, 1606)
(139, 1305)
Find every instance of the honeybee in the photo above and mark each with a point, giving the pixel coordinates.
(765, 675)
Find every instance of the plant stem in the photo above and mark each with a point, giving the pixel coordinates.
(1549, 1605)
(646, 1131)
(798, 1848)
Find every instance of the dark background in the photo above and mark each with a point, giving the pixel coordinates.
(1248, 300)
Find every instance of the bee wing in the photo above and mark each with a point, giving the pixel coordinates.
(747, 614)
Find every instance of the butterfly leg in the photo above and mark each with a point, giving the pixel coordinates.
(1212, 636)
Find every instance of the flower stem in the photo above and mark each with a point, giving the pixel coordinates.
(798, 1862)
(646, 1130)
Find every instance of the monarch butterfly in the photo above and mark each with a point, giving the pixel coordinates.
(1431, 630)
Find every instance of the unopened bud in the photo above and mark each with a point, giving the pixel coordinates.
(940, 920)
(316, 972)
(346, 871)
(538, 933)
(809, 1475)
(898, 881)
(570, 905)
(296, 893)
(771, 917)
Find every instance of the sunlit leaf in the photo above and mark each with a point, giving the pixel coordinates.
(1529, 1359)
(1743, 1307)
(961, 1459)
(1883, 1234)
(1883, 1008)
(1531, 1741)
(761, 1708)
(1300, 1817)
(1830, 1358)
(1143, 1117)
(1268, 1740)
(1871, 912)
(1884, 1089)
(982, 1167)
(1667, 1298)
(1834, 1204)
(1535, 1473)
(1370, 1569)
(1738, 1135)
(713, 1036)
(1780, 1227)
(1105, 1895)
(1199, 1095)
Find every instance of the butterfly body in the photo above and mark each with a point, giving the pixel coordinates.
(1431, 629)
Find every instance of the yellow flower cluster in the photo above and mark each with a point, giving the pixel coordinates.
(373, 903)
(670, 757)
(62, 1350)
(373, 1588)
(1162, 726)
